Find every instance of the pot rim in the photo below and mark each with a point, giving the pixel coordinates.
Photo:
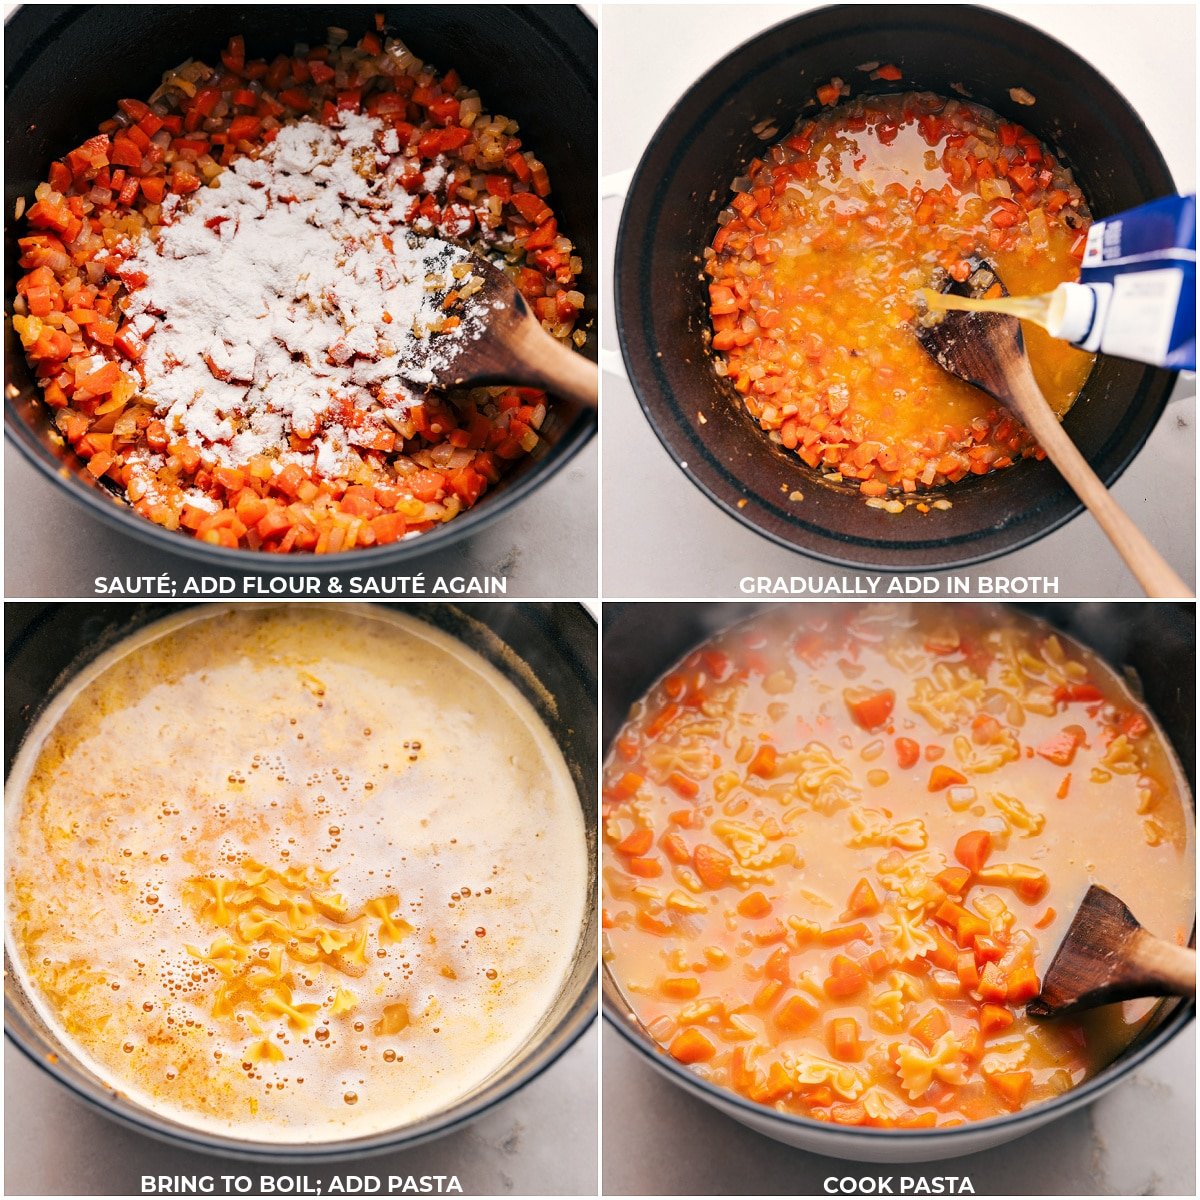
(1159, 383)
(117, 514)
(527, 1064)
(108, 1104)
(1018, 1122)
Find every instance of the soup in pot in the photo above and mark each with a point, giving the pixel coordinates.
(293, 873)
(841, 849)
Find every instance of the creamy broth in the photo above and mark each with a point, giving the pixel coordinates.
(841, 848)
(293, 873)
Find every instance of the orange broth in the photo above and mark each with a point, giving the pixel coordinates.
(816, 268)
(840, 850)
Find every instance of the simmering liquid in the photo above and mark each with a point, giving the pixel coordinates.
(293, 874)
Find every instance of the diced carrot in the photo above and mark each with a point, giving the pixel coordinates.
(944, 954)
(713, 867)
(100, 381)
(845, 933)
(675, 848)
(655, 925)
(627, 786)
(863, 901)
(680, 988)
(763, 763)
(278, 521)
(854, 1113)
(992, 985)
(967, 970)
(99, 463)
(1012, 1086)
(777, 1085)
(972, 1045)
(689, 789)
(870, 709)
(778, 966)
(942, 777)
(289, 479)
(987, 949)
(1023, 984)
(691, 1046)
(766, 995)
(796, 1013)
(972, 849)
(647, 868)
(953, 880)
(842, 1038)
(637, 843)
(925, 1120)
(908, 753)
(846, 978)
(876, 963)
(930, 1027)
(754, 905)
(1061, 748)
(967, 925)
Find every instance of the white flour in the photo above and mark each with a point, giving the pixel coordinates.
(286, 288)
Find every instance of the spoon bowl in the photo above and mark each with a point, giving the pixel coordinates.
(1107, 956)
(499, 340)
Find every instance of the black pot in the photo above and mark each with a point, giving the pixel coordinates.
(67, 65)
(683, 182)
(547, 651)
(644, 641)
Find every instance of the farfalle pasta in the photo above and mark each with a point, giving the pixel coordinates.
(835, 894)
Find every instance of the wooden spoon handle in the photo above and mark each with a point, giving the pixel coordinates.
(1151, 570)
(545, 362)
(1171, 967)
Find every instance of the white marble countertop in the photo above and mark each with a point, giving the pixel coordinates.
(1138, 1140)
(661, 536)
(539, 1142)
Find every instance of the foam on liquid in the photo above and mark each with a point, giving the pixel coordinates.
(355, 741)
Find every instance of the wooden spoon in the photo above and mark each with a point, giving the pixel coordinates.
(988, 351)
(1107, 956)
(503, 342)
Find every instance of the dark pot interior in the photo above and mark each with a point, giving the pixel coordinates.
(547, 651)
(641, 642)
(670, 216)
(536, 63)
